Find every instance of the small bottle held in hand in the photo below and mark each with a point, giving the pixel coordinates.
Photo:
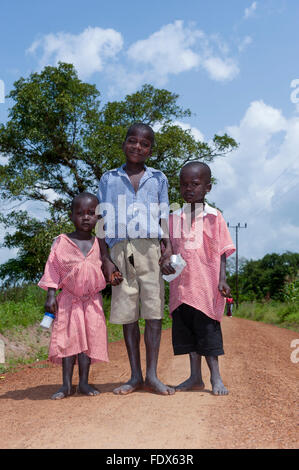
(229, 307)
(47, 320)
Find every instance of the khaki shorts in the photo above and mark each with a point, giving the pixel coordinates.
(141, 293)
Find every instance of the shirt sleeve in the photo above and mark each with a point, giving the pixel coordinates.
(225, 239)
(102, 189)
(163, 198)
(51, 276)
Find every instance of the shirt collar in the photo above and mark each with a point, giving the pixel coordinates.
(147, 174)
(207, 210)
(122, 170)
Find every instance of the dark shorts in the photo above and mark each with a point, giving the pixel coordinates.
(193, 331)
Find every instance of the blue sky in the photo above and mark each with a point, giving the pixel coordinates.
(231, 62)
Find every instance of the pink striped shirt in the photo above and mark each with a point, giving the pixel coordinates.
(201, 246)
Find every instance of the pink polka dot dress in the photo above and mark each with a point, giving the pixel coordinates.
(79, 324)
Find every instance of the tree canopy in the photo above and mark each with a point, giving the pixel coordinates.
(60, 139)
(266, 277)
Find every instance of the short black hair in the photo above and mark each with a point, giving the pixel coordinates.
(82, 196)
(199, 165)
(142, 126)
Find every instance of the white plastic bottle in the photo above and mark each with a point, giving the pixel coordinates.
(47, 320)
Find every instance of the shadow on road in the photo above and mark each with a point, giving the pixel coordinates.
(44, 392)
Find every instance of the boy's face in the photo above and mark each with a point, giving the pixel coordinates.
(138, 146)
(84, 215)
(194, 184)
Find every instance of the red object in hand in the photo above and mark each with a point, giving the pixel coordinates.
(229, 306)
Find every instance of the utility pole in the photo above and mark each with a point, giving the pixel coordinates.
(237, 227)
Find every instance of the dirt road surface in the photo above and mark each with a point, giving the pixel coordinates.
(260, 412)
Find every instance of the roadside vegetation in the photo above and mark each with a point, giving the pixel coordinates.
(21, 311)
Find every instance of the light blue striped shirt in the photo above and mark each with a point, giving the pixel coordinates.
(129, 214)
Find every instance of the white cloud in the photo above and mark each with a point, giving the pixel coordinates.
(168, 50)
(173, 49)
(259, 182)
(221, 69)
(244, 43)
(196, 133)
(177, 48)
(88, 51)
(249, 12)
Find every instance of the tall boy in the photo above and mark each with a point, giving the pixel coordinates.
(132, 194)
(197, 295)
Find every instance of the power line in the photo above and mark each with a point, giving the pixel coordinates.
(237, 227)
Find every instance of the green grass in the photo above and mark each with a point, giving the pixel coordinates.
(21, 307)
(283, 314)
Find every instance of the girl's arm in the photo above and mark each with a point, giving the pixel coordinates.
(223, 286)
(51, 302)
(109, 268)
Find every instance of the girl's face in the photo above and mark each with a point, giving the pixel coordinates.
(194, 184)
(84, 215)
(138, 146)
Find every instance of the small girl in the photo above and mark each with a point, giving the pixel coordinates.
(79, 329)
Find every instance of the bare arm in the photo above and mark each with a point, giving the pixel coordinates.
(110, 270)
(51, 302)
(164, 261)
(223, 286)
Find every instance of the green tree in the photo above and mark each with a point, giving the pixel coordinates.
(60, 139)
(267, 277)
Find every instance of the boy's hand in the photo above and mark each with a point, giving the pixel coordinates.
(165, 265)
(224, 289)
(116, 278)
(110, 270)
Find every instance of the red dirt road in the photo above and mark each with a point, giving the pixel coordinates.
(260, 412)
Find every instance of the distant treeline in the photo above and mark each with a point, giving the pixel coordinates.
(272, 277)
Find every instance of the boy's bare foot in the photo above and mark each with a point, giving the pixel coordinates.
(63, 392)
(192, 383)
(156, 386)
(217, 385)
(128, 387)
(86, 389)
(218, 388)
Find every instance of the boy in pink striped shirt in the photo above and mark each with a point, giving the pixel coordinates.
(197, 296)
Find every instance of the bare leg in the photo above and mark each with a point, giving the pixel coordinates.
(84, 365)
(67, 375)
(132, 340)
(152, 337)
(217, 385)
(195, 381)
